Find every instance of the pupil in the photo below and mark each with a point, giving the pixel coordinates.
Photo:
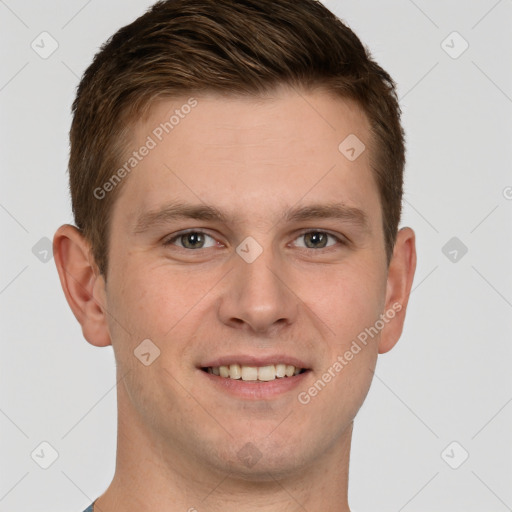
(192, 240)
(316, 240)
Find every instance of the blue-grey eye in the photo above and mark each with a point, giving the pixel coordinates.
(193, 240)
(315, 240)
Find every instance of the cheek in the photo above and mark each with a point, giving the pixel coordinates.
(154, 300)
(347, 299)
(353, 301)
(140, 292)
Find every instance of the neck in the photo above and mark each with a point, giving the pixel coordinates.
(150, 476)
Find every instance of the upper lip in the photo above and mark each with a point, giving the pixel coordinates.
(250, 360)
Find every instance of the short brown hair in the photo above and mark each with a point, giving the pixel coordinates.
(246, 47)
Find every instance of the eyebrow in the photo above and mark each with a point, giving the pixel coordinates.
(178, 211)
(339, 211)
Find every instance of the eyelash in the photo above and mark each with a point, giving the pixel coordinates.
(170, 241)
(177, 236)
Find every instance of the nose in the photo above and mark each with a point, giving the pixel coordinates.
(256, 296)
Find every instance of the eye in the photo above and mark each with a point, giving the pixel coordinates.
(316, 240)
(192, 240)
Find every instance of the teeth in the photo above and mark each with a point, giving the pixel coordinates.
(254, 373)
(280, 370)
(267, 373)
(249, 373)
(235, 372)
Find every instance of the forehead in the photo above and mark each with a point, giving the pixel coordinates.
(251, 155)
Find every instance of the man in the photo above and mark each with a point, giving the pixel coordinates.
(236, 175)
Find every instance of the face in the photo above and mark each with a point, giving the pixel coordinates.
(245, 243)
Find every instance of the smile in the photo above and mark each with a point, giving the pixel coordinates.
(254, 373)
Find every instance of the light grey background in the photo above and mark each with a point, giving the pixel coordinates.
(449, 377)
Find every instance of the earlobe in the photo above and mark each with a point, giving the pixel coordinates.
(83, 285)
(398, 288)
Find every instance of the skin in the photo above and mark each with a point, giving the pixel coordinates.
(253, 159)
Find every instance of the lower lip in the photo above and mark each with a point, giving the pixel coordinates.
(256, 390)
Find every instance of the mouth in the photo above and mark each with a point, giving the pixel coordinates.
(248, 373)
(251, 377)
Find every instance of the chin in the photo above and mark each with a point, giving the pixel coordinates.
(262, 460)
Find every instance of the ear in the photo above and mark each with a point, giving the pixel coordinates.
(83, 285)
(398, 288)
